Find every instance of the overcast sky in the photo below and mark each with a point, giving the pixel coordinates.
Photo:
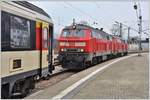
(102, 12)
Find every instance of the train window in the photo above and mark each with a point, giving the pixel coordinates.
(45, 37)
(19, 32)
(108, 37)
(95, 34)
(80, 33)
(16, 63)
(66, 33)
(73, 33)
(103, 36)
(4, 30)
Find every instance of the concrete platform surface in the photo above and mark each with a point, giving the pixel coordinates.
(127, 78)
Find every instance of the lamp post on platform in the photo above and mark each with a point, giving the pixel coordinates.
(139, 16)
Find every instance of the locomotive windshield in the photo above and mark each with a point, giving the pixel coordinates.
(73, 33)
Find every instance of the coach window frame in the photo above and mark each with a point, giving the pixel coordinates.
(19, 30)
(6, 34)
(47, 33)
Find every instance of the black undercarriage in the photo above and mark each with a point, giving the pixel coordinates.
(81, 60)
(72, 60)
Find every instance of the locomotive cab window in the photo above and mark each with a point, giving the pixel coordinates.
(73, 33)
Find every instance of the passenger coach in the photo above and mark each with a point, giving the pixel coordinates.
(26, 47)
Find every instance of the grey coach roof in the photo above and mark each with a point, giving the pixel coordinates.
(32, 7)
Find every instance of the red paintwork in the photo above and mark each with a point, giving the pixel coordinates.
(38, 39)
(95, 45)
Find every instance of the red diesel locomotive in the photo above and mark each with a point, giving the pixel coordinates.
(81, 45)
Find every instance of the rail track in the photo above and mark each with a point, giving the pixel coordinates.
(45, 83)
(56, 77)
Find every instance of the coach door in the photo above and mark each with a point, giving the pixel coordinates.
(42, 36)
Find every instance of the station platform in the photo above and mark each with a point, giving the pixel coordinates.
(127, 79)
(121, 79)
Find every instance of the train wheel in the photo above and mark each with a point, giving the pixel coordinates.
(25, 88)
(111, 56)
(84, 64)
(24, 92)
(122, 54)
(126, 53)
(63, 63)
(94, 61)
(32, 84)
(99, 59)
(5, 91)
(19, 89)
(88, 64)
(47, 77)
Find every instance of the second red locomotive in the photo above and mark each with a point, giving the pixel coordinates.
(82, 45)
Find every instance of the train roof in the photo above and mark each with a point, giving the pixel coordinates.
(78, 26)
(32, 7)
(82, 26)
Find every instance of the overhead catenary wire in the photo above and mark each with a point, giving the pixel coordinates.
(134, 29)
(88, 15)
(85, 13)
(97, 5)
(73, 10)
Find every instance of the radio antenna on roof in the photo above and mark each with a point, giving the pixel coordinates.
(73, 21)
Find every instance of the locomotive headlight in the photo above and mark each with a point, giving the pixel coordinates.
(63, 49)
(81, 50)
(74, 26)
